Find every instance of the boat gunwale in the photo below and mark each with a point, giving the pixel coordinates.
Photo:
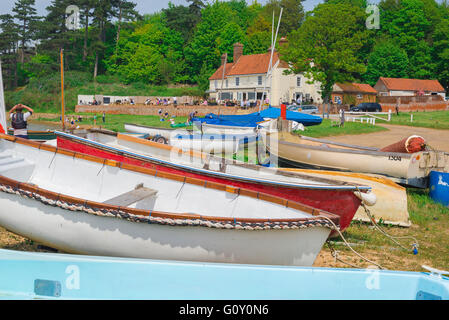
(315, 213)
(156, 128)
(336, 185)
(339, 150)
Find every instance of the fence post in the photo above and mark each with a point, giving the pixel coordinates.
(411, 117)
(389, 115)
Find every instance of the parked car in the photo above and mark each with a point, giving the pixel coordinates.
(292, 107)
(310, 109)
(367, 107)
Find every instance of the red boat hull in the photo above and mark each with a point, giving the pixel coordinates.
(343, 203)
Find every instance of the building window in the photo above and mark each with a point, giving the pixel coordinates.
(259, 80)
(226, 96)
(298, 81)
(226, 83)
(251, 96)
(359, 96)
(237, 81)
(216, 84)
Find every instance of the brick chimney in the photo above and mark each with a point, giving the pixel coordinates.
(238, 51)
(224, 57)
(283, 41)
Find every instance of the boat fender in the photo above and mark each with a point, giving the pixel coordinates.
(160, 139)
(368, 198)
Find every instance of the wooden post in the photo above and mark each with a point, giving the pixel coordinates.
(62, 91)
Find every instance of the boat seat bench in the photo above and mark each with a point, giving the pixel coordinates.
(128, 198)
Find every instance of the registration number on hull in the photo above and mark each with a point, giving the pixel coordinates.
(394, 158)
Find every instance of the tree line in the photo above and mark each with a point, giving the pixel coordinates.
(182, 44)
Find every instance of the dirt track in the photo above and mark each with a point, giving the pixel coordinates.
(438, 139)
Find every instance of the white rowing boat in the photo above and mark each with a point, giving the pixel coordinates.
(310, 153)
(88, 205)
(214, 142)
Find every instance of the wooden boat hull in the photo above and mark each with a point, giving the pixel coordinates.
(335, 198)
(183, 219)
(309, 153)
(37, 135)
(33, 275)
(391, 206)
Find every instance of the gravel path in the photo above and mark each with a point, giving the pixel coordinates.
(438, 139)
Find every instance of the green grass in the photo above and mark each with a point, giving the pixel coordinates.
(430, 226)
(325, 129)
(44, 94)
(431, 119)
(116, 122)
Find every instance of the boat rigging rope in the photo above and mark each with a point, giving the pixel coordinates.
(335, 255)
(415, 245)
(348, 245)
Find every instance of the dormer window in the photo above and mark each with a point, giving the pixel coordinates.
(237, 81)
(298, 81)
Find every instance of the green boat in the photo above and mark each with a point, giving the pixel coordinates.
(37, 135)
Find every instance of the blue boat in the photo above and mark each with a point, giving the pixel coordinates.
(439, 187)
(33, 275)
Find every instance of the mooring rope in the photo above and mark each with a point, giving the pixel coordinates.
(349, 246)
(415, 245)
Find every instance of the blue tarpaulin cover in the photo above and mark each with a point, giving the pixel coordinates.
(252, 119)
(304, 118)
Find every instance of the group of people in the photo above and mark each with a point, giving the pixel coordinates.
(162, 101)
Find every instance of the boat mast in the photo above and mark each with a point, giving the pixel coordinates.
(222, 80)
(270, 65)
(62, 90)
(2, 103)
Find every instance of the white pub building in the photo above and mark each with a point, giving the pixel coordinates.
(246, 78)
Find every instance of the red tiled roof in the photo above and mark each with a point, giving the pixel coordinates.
(356, 87)
(218, 75)
(412, 84)
(249, 64)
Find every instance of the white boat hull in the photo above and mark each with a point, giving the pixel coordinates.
(82, 233)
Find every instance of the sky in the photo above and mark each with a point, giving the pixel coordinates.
(143, 6)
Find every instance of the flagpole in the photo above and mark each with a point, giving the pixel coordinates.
(62, 90)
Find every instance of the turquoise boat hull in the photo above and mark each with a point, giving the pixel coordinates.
(32, 275)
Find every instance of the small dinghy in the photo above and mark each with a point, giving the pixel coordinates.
(211, 142)
(410, 169)
(329, 195)
(88, 205)
(31, 275)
